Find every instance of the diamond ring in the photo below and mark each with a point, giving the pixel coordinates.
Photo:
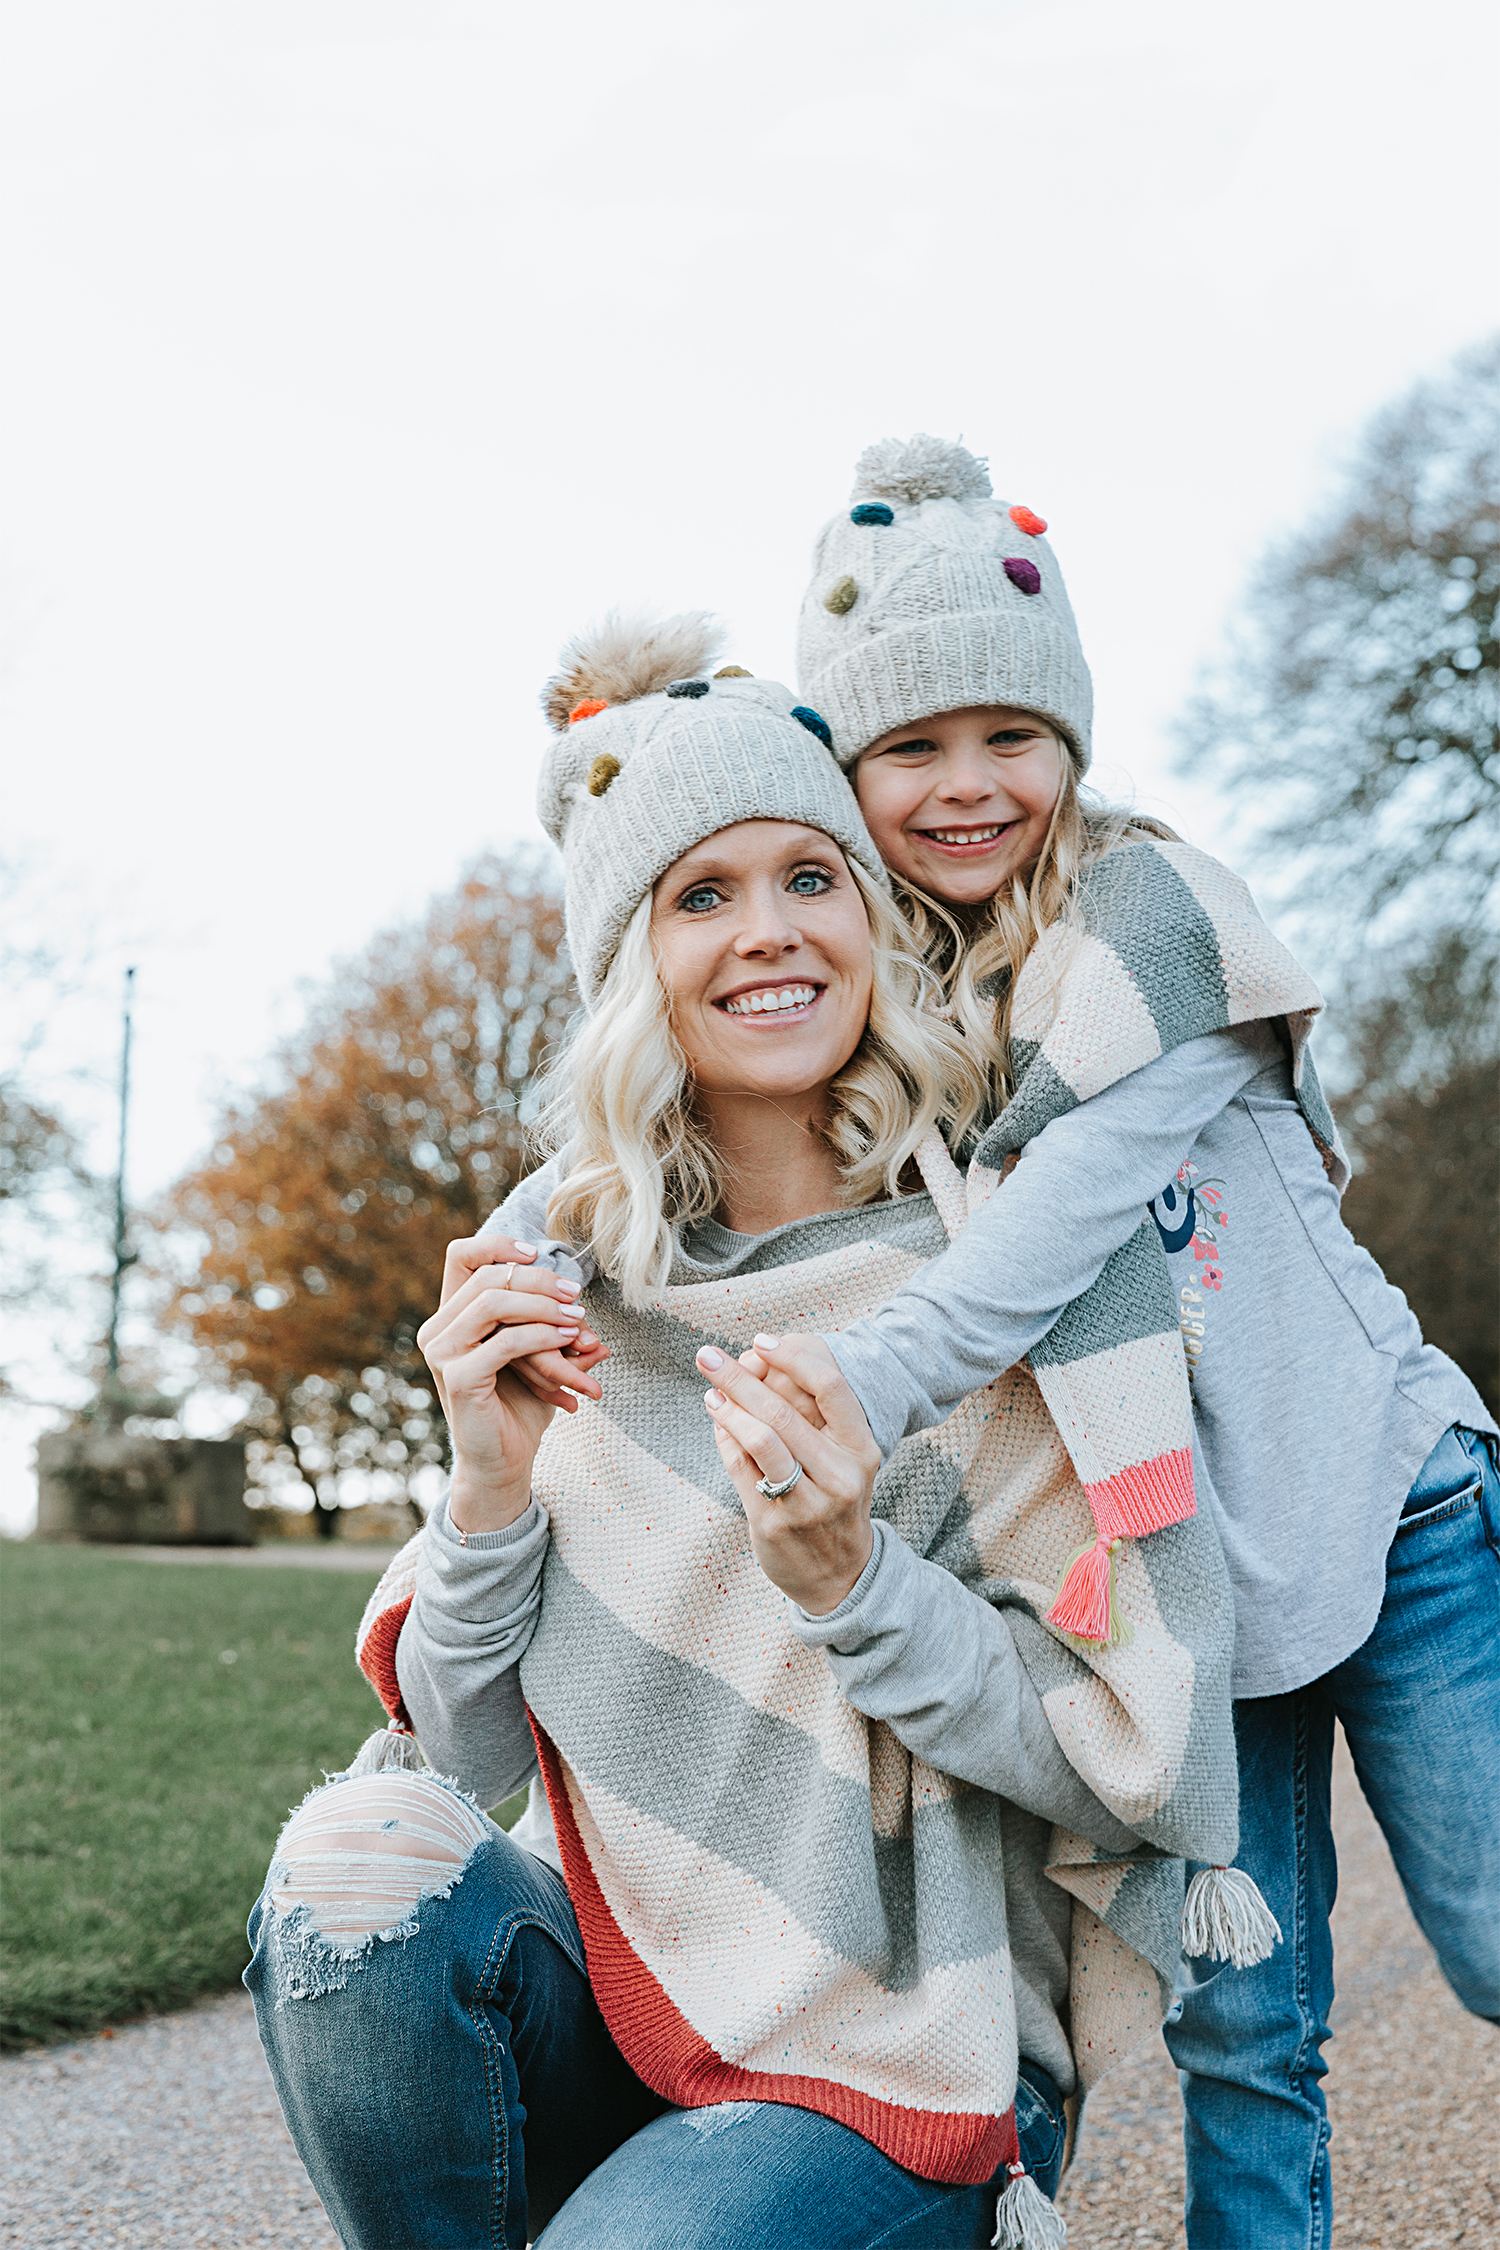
(769, 1491)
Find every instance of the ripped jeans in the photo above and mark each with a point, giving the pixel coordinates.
(450, 2084)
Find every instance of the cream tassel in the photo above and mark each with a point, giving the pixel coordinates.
(392, 1750)
(1024, 2219)
(1225, 1917)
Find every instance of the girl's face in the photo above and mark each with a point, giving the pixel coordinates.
(960, 803)
(763, 947)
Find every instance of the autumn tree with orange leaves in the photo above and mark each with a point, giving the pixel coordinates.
(393, 1124)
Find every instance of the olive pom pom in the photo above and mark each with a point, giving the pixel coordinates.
(1021, 573)
(602, 772)
(872, 511)
(734, 672)
(842, 597)
(814, 723)
(688, 687)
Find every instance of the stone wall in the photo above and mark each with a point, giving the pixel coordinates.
(97, 1482)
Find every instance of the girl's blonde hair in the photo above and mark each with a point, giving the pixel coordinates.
(620, 1099)
(977, 953)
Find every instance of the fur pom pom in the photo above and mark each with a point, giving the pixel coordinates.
(623, 658)
(920, 468)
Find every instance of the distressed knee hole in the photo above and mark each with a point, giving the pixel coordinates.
(357, 1858)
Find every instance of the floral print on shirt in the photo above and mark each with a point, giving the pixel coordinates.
(1190, 1214)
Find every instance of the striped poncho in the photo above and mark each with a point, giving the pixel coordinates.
(777, 1900)
(1171, 948)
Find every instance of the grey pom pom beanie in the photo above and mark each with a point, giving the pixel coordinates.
(929, 595)
(636, 777)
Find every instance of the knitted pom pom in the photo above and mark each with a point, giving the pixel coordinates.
(919, 468)
(842, 596)
(690, 688)
(872, 511)
(602, 772)
(589, 708)
(814, 723)
(1025, 520)
(1024, 2219)
(1022, 574)
(626, 657)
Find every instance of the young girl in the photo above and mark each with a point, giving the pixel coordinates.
(1147, 1045)
(845, 1871)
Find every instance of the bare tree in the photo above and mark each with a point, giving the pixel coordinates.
(1355, 721)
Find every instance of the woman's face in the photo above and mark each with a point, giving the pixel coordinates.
(763, 946)
(960, 803)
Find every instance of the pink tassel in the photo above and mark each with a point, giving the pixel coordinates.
(1084, 1605)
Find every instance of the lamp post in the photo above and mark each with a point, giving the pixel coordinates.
(124, 1256)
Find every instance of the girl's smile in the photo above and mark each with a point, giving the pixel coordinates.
(960, 803)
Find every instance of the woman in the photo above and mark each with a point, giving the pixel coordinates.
(840, 1872)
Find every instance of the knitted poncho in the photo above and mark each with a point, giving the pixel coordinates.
(1172, 948)
(777, 1900)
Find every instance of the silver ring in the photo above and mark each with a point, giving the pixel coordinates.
(769, 1491)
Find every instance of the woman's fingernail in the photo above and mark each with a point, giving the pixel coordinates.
(708, 1357)
(770, 1341)
(713, 1398)
(566, 1288)
(524, 1249)
(569, 1334)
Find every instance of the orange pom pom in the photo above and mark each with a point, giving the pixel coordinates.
(1024, 520)
(588, 709)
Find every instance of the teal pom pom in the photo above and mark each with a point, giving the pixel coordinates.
(872, 511)
(814, 723)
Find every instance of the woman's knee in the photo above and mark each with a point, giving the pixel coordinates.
(351, 1869)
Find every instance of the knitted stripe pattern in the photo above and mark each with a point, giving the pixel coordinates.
(1172, 948)
(777, 1900)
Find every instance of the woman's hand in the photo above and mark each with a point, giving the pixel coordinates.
(551, 1376)
(815, 1542)
(472, 1344)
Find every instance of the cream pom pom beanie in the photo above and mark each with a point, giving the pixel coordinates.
(929, 595)
(652, 755)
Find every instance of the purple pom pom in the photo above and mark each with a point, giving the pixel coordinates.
(1023, 574)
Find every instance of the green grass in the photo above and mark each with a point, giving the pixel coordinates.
(146, 1774)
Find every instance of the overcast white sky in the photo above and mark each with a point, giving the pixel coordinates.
(358, 352)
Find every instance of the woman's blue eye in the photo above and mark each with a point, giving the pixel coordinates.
(701, 900)
(808, 881)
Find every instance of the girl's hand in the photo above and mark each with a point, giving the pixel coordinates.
(814, 1543)
(472, 1343)
(551, 1376)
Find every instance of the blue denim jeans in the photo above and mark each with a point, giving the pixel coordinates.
(1420, 1707)
(454, 2087)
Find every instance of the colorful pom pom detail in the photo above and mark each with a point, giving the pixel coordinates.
(815, 723)
(1020, 572)
(602, 772)
(1025, 520)
(588, 709)
(734, 672)
(842, 597)
(872, 511)
(688, 687)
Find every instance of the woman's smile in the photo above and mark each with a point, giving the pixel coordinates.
(779, 1003)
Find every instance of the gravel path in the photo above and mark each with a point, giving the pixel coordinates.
(168, 2133)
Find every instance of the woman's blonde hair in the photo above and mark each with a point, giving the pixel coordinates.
(977, 953)
(620, 1099)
